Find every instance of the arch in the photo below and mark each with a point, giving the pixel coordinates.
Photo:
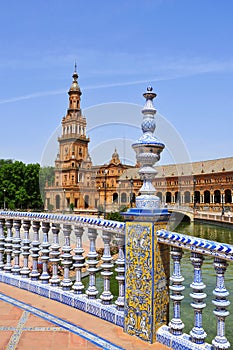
(86, 201)
(197, 197)
(187, 197)
(228, 199)
(160, 195)
(168, 197)
(133, 197)
(206, 196)
(123, 197)
(177, 196)
(217, 196)
(58, 201)
(115, 197)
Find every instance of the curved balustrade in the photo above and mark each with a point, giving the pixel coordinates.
(198, 247)
(35, 248)
(44, 253)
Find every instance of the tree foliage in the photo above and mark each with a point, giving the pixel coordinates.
(19, 185)
(46, 178)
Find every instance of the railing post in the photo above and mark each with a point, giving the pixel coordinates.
(120, 262)
(197, 334)
(55, 256)
(8, 245)
(92, 263)
(79, 260)
(176, 325)
(44, 277)
(16, 247)
(66, 283)
(35, 251)
(2, 243)
(107, 266)
(147, 273)
(221, 303)
(25, 271)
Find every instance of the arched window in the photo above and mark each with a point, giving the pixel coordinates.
(197, 197)
(217, 196)
(168, 197)
(86, 201)
(207, 196)
(228, 196)
(123, 197)
(115, 197)
(58, 201)
(177, 197)
(133, 198)
(160, 195)
(187, 197)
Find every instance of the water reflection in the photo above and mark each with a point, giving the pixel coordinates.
(206, 231)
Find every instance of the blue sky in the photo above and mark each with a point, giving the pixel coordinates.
(183, 49)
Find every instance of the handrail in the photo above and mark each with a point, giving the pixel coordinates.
(115, 226)
(199, 245)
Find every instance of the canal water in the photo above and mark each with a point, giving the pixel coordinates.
(210, 232)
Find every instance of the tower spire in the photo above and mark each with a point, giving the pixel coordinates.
(74, 91)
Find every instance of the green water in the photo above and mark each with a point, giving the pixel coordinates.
(210, 232)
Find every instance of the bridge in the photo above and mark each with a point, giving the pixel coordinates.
(181, 212)
(47, 254)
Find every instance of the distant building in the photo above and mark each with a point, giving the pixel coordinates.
(78, 184)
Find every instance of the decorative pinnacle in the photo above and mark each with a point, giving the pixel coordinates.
(149, 95)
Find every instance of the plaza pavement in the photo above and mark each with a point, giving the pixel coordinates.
(30, 322)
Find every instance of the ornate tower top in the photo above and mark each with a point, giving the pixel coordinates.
(115, 158)
(148, 149)
(74, 86)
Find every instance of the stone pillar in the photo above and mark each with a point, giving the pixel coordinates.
(147, 274)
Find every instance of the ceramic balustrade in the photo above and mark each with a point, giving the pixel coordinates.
(32, 257)
(37, 253)
(222, 254)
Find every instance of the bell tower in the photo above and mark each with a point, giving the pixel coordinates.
(70, 165)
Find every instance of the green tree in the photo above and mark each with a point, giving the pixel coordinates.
(19, 185)
(46, 177)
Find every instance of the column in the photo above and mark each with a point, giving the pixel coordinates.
(176, 325)
(66, 283)
(120, 262)
(45, 253)
(107, 266)
(221, 303)
(35, 251)
(79, 260)
(2, 243)
(92, 263)
(16, 247)
(197, 334)
(55, 255)
(25, 271)
(8, 245)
